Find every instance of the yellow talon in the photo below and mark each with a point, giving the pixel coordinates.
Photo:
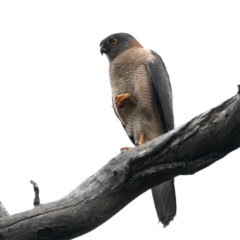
(124, 149)
(122, 98)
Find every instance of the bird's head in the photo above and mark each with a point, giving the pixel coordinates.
(117, 43)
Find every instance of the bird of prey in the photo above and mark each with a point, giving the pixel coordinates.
(142, 100)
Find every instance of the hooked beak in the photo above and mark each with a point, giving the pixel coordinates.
(103, 50)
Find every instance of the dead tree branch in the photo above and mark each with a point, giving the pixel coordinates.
(36, 201)
(184, 150)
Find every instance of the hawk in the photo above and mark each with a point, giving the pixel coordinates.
(142, 100)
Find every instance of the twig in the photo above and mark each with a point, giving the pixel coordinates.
(36, 201)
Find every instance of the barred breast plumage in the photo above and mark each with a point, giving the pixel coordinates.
(129, 74)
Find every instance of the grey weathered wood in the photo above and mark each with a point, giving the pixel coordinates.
(3, 211)
(184, 150)
(36, 201)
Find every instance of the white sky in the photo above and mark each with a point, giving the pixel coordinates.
(57, 126)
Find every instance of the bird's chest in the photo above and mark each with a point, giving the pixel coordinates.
(122, 80)
(126, 70)
(129, 75)
(132, 80)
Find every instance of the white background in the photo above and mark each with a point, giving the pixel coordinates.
(57, 126)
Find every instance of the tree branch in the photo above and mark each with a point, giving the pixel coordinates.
(184, 150)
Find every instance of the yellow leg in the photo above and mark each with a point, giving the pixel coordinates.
(142, 139)
(122, 98)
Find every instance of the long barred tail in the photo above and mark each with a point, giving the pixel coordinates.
(165, 201)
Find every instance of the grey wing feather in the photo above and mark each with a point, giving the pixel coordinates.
(162, 91)
(164, 194)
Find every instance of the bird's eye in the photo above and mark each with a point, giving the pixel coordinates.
(114, 41)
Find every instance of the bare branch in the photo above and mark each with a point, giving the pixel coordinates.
(184, 150)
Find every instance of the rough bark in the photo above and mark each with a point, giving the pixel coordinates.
(3, 211)
(184, 150)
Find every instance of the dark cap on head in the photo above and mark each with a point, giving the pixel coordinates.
(117, 43)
